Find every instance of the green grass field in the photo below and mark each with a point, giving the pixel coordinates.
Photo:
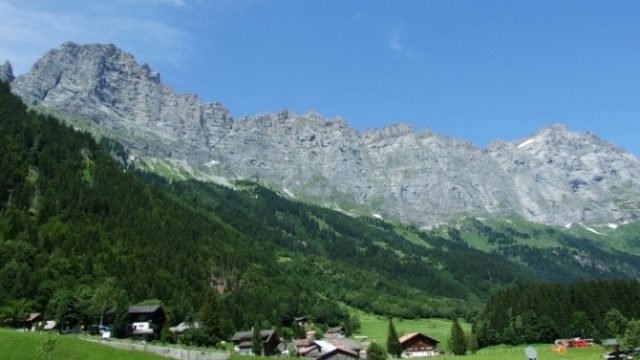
(544, 353)
(16, 345)
(375, 328)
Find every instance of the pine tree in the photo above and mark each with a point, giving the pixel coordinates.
(472, 340)
(457, 342)
(393, 343)
(165, 334)
(210, 317)
(121, 319)
(190, 317)
(256, 341)
(298, 331)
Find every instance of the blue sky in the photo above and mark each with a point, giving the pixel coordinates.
(475, 70)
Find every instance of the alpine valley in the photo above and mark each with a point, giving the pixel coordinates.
(285, 214)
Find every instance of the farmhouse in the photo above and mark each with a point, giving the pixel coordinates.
(145, 322)
(33, 319)
(242, 342)
(333, 333)
(418, 345)
(329, 349)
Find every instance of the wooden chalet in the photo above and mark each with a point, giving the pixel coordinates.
(338, 349)
(333, 333)
(242, 342)
(346, 343)
(329, 349)
(418, 345)
(145, 322)
(338, 354)
(32, 321)
(303, 346)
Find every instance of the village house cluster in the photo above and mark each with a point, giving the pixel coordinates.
(145, 324)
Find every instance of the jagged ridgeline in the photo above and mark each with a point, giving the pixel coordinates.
(76, 226)
(73, 223)
(554, 176)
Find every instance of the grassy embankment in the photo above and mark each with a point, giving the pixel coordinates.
(16, 345)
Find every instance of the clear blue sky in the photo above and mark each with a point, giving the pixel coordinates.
(475, 70)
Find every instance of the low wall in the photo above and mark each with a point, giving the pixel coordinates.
(168, 351)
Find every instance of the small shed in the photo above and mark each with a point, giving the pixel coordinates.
(32, 320)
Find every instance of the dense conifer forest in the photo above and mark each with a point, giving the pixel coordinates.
(542, 313)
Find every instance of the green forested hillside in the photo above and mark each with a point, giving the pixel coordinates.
(77, 226)
(537, 313)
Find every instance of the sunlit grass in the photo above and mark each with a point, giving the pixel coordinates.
(16, 345)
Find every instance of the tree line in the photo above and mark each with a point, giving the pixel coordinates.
(535, 313)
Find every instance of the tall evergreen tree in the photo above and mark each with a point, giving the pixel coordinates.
(256, 340)
(190, 317)
(393, 343)
(210, 316)
(458, 343)
(298, 331)
(166, 334)
(121, 319)
(472, 341)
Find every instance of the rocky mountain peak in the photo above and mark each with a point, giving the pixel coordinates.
(554, 176)
(6, 72)
(107, 85)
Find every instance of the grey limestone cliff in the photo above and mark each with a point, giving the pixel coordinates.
(554, 176)
(6, 72)
(106, 84)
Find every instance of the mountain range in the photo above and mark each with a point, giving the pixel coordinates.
(554, 176)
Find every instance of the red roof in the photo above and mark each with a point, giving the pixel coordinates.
(408, 337)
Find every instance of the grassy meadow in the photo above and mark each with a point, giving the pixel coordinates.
(375, 329)
(16, 345)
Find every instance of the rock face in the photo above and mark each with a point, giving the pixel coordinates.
(107, 85)
(6, 72)
(563, 176)
(555, 176)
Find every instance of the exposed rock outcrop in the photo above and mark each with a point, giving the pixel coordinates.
(554, 176)
(6, 72)
(107, 85)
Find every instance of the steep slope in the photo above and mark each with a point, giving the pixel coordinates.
(571, 177)
(6, 72)
(416, 177)
(107, 85)
(71, 219)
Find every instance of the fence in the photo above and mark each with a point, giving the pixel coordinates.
(169, 351)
